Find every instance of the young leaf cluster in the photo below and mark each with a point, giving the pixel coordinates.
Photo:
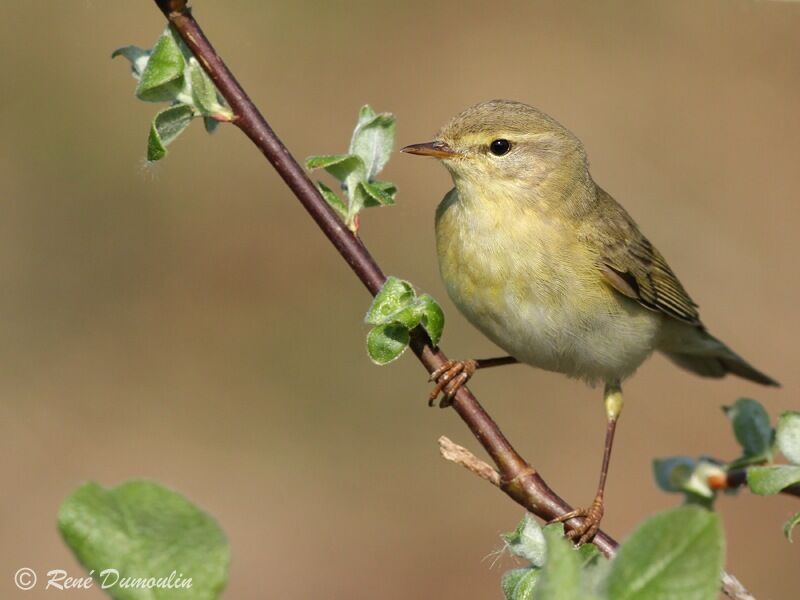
(170, 73)
(674, 554)
(356, 171)
(143, 530)
(394, 312)
(700, 479)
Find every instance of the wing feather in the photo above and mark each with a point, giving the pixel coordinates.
(635, 268)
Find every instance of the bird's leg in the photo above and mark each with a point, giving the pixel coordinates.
(453, 374)
(594, 514)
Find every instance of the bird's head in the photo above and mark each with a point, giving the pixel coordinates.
(503, 144)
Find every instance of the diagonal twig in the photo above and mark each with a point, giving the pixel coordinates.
(517, 478)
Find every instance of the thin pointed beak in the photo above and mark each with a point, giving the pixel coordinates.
(436, 149)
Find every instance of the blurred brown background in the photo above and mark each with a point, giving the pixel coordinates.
(188, 323)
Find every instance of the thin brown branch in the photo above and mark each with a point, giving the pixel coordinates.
(518, 479)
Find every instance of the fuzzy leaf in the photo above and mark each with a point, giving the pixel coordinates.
(527, 541)
(144, 530)
(386, 343)
(373, 139)
(788, 436)
(674, 554)
(752, 428)
(166, 126)
(766, 481)
(162, 79)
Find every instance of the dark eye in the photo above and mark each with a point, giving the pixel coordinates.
(499, 147)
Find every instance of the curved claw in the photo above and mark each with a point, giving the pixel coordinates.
(449, 378)
(590, 524)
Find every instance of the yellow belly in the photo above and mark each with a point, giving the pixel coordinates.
(530, 287)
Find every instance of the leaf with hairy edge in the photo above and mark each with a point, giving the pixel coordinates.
(167, 125)
(527, 541)
(386, 343)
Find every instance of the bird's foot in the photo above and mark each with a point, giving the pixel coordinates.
(449, 378)
(590, 524)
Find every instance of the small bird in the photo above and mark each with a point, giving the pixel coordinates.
(553, 270)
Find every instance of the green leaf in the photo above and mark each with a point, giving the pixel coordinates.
(143, 530)
(341, 166)
(332, 199)
(204, 92)
(432, 317)
(766, 481)
(394, 296)
(375, 195)
(791, 524)
(752, 428)
(519, 584)
(561, 575)
(386, 343)
(527, 541)
(138, 58)
(166, 126)
(373, 138)
(788, 436)
(674, 554)
(162, 79)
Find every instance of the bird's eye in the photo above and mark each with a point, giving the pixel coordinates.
(499, 147)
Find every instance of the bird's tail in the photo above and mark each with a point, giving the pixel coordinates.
(702, 353)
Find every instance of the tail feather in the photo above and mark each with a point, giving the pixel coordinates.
(709, 357)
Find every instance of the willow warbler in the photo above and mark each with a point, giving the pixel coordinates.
(553, 270)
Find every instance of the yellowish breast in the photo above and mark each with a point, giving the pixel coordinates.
(528, 284)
